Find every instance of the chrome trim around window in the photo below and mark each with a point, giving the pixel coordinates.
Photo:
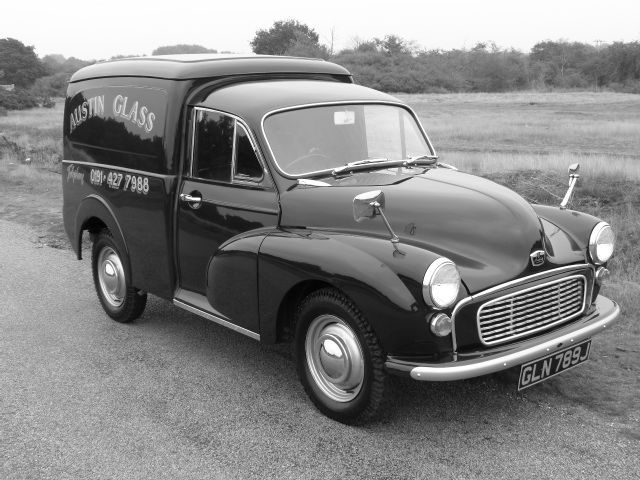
(233, 180)
(328, 104)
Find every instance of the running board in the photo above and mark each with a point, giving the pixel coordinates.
(198, 304)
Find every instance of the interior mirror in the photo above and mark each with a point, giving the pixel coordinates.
(366, 204)
(345, 117)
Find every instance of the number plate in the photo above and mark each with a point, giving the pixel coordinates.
(546, 367)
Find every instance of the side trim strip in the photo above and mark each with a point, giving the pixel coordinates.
(116, 167)
(216, 319)
(239, 206)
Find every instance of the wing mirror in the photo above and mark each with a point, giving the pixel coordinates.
(370, 204)
(366, 205)
(574, 168)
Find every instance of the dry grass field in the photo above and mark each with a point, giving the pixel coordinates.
(523, 140)
(527, 141)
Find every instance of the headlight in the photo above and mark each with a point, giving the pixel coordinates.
(601, 243)
(441, 284)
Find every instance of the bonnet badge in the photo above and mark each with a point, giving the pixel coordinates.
(537, 258)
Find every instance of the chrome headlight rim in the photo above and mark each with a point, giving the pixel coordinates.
(427, 285)
(596, 232)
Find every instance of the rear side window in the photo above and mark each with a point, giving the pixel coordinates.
(223, 150)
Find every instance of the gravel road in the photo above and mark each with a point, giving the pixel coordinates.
(174, 396)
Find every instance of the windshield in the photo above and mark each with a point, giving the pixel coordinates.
(315, 139)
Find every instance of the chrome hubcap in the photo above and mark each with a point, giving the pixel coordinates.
(334, 358)
(111, 277)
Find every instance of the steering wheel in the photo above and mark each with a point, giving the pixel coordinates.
(313, 157)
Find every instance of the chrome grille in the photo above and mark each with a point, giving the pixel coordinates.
(531, 310)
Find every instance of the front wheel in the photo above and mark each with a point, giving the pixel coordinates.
(339, 360)
(121, 301)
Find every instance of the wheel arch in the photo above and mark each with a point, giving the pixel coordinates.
(285, 320)
(383, 287)
(94, 214)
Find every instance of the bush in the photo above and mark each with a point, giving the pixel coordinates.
(48, 102)
(51, 86)
(17, 100)
(630, 86)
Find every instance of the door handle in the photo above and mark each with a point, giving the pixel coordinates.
(185, 197)
(194, 200)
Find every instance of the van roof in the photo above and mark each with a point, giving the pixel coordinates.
(252, 100)
(190, 66)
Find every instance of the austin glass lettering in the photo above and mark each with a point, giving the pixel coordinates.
(92, 107)
(138, 114)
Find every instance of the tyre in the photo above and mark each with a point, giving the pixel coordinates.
(110, 266)
(339, 359)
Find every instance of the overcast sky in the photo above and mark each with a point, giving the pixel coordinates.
(99, 30)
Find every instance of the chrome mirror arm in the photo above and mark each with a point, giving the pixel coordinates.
(573, 179)
(395, 240)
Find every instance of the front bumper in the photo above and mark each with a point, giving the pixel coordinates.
(468, 365)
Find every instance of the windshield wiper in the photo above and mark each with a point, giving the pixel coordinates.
(428, 160)
(422, 160)
(385, 162)
(365, 164)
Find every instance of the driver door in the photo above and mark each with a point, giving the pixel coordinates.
(226, 194)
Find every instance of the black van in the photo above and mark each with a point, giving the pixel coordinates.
(274, 196)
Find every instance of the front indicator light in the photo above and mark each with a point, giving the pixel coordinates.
(601, 275)
(440, 325)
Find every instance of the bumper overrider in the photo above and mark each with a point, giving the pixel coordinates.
(475, 364)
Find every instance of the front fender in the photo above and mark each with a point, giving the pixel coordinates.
(386, 287)
(566, 234)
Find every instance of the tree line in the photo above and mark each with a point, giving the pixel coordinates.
(391, 64)
(394, 64)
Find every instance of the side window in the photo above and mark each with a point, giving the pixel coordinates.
(213, 153)
(247, 165)
(222, 149)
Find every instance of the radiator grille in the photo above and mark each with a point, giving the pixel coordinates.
(531, 310)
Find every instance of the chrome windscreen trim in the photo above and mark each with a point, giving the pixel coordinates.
(330, 103)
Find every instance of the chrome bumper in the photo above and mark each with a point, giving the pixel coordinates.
(605, 314)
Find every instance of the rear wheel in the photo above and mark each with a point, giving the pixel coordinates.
(120, 300)
(339, 360)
